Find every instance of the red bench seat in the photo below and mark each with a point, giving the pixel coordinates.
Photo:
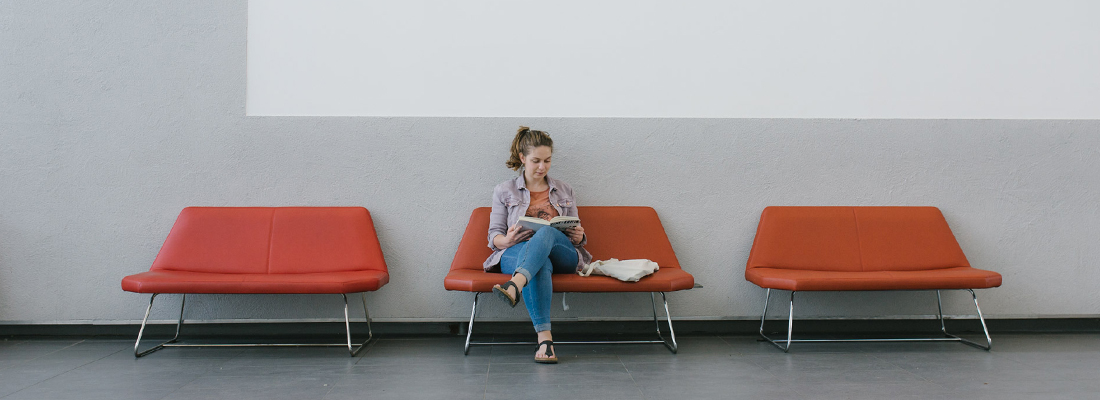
(213, 282)
(265, 250)
(944, 278)
(860, 248)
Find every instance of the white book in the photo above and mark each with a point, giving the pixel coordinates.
(561, 223)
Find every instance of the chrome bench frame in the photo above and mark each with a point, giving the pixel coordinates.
(352, 349)
(669, 342)
(948, 337)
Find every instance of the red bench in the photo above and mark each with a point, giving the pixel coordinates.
(613, 232)
(861, 248)
(265, 250)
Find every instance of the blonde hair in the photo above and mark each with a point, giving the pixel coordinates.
(527, 139)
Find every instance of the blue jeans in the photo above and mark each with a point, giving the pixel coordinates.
(549, 251)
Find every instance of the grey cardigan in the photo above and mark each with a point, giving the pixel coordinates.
(510, 201)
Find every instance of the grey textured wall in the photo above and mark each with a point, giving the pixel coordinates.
(115, 115)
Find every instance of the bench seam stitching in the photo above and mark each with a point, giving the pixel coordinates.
(859, 241)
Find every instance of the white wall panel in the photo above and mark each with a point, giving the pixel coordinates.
(701, 58)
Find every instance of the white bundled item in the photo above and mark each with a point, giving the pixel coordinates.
(623, 270)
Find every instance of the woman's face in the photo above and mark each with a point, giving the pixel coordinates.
(536, 163)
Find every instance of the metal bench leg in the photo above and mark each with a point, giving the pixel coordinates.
(470, 329)
(352, 351)
(988, 341)
(790, 323)
(138, 353)
(366, 314)
(672, 334)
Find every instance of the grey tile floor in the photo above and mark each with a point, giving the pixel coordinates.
(707, 367)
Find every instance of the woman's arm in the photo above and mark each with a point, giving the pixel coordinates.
(498, 219)
(501, 236)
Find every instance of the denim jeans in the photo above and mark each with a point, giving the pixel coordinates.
(549, 251)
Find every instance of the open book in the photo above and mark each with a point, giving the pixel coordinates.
(560, 222)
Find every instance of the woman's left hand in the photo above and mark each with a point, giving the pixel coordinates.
(576, 234)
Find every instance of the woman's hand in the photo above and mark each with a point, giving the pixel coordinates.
(576, 234)
(515, 235)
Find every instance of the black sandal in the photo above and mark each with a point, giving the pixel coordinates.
(550, 357)
(502, 291)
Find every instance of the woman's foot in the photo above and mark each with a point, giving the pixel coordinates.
(507, 292)
(544, 353)
(510, 291)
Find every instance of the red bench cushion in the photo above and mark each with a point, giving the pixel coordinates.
(860, 248)
(208, 282)
(613, 232)
(267, 250)
(944, 278)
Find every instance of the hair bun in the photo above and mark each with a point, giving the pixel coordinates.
(525, 140)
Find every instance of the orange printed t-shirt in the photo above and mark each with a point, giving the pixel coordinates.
(540, 206)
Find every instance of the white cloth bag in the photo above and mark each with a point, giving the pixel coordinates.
(623, 270)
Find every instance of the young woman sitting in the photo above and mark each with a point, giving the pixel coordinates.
(531, 257)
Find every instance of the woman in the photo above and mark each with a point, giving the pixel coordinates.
(528, 256)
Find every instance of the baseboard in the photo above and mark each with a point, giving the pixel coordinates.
(688, 327)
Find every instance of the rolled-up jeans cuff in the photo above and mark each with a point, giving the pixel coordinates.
(521, 271)
(542, 327)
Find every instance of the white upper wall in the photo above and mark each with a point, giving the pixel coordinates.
(704, 58)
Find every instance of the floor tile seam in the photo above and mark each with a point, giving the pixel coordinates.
(63, 348)
(63, 372)
(727, 342)
(363, 354)
(631, 374)
(485, 386)
(330, 389)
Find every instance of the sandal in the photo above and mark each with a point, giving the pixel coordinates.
(502, 291)
(550, 357)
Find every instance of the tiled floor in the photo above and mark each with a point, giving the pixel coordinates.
(707, 367)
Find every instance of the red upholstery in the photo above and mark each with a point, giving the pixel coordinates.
(613, 232)
(860, 248)
(267, 250)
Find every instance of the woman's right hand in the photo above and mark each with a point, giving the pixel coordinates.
(515, 235)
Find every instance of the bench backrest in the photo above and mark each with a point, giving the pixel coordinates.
(613, 232)
(271, 240)
(855, 239)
